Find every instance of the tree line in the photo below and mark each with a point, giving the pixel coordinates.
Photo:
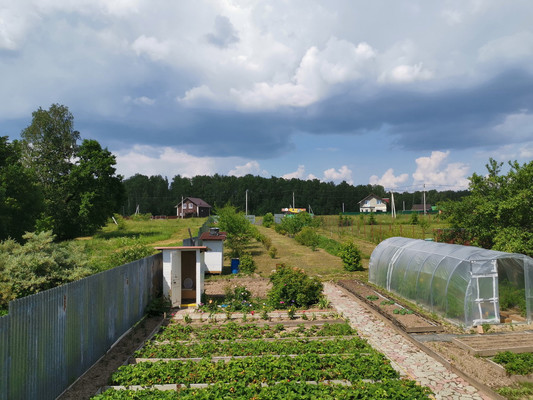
(157, 196)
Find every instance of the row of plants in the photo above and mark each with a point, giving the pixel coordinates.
(232, 331)
(395, 389)
(266, 369)
(515, 364)
(253, 348)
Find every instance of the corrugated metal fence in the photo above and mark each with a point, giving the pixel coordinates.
(50, 339)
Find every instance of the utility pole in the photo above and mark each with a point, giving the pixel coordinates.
(181, 207)
(246, 212)
(393, 206)
(424, 199)
(343, 207)
(293, 203)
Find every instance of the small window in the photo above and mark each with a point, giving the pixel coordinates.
(367, 202)
(379, 201)
(190, 206)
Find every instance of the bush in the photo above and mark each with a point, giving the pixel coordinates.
(308, 237)
(273, 252)
(130, 254)
(38, 265)
(141, 217)
(351, 257)
(247, 264)
(292, 287)
(414, 220)
(268, 220)
(293, 224)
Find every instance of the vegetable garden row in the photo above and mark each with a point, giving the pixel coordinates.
(315, 359)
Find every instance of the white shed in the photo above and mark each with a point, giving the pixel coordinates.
(214, 258)
(183, 274)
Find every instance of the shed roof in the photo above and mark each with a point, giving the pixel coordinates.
(207, 236)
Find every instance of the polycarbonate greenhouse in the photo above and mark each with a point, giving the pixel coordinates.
(461, 283)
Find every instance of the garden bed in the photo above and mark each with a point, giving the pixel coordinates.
(313, 359)
(408, 320)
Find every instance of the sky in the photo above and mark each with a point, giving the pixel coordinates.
(397, 93)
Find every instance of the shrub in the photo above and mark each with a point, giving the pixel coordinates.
(295, 223)
(292, 287)
(308, 237)
(247, 264)
(268, 220)
(351, 257)
(130, 254)
(273, 252)
(141, 217)
(414, 220)
(372, 219)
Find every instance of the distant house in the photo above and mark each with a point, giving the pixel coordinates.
(193, 207)
(373, 203)
(420, 207)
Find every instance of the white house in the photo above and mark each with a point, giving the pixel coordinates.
(214, 258)
(373, 203)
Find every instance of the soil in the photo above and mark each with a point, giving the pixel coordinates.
(410, 321)
(257, 285)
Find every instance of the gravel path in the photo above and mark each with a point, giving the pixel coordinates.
(409, 360)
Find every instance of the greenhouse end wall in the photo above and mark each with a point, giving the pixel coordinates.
(461, 283)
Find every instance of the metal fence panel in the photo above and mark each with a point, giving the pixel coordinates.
(48, 340)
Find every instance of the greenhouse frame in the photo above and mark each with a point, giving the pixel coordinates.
(460, 283)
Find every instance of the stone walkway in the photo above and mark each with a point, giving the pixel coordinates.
(406, 358)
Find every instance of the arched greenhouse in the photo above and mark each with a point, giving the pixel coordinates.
(461, 283)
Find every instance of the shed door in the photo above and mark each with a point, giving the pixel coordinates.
(486, 308)
(175, 274)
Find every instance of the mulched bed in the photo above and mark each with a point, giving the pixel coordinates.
(407, 320)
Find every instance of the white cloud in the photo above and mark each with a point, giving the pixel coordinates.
(406, 74)
(166, 161)
(140, 101)
(153, 48)
(318, 72)
(251, 167)
(431, 172)
(298, 174)
(342, 174)
(197, 96)
(388, 180)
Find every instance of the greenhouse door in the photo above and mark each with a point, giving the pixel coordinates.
(485, 291)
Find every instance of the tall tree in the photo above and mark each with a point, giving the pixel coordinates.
(79, 184)
(498, 214)
(21, 201)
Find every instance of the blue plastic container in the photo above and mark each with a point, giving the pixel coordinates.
(235, 265)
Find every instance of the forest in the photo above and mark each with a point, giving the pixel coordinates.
(157, 196)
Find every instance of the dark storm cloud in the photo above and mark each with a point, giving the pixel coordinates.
(446, 119)
(450, 118)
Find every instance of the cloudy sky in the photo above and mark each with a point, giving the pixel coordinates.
(398, 93)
